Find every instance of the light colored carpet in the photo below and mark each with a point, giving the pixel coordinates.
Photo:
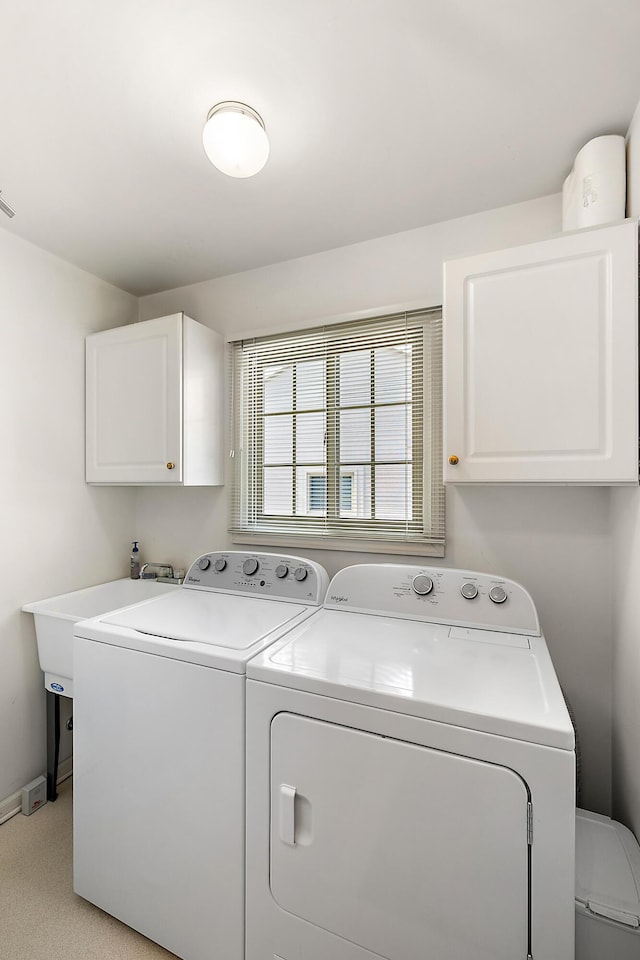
(41, 918)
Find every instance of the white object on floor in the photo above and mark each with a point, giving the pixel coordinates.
(55, 619)
(34, 795)
(159, 718)
(595, 190)
(607, 889)
(410, 776)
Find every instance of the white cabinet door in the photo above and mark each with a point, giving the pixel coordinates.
(399, 849)
(541, 361)
(134, 403)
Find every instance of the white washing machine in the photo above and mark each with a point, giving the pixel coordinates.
(410, 777)
(159, 752)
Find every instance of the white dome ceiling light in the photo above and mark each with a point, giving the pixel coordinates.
(235, 139)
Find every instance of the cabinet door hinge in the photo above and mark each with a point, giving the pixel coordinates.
(529, 825)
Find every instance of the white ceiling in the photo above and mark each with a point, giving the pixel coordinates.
(383, 115)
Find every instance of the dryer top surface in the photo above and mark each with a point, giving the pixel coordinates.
(485, 680)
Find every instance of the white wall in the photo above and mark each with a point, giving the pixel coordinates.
(57, 533)
(626, 596)
(626, 658)
(555, 540)
(633, 165)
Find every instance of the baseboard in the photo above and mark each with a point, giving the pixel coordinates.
(13, 804)
(10, 806)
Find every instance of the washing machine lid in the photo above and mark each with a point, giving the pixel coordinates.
(218, 619)
(480, 679)
(607, 868)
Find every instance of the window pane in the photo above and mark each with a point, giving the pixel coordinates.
(278, 439)
(277, 491)
(310, 429)
(393, 433)
(393, 492)
(355, 435)
(310, 385)
(355, 378)
(393, 374)
(277, 385)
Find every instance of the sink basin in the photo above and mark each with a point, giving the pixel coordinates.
(55, 619)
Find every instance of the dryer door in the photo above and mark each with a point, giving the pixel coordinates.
(401, 849)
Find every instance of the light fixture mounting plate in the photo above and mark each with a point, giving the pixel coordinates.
(235, 106)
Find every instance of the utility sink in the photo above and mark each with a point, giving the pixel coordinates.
(55, 619)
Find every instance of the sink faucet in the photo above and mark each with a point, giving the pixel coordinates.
(162, 570)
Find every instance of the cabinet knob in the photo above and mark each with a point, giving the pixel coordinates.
(453, 460)
(170, 465)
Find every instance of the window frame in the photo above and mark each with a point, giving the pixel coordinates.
(320, 531)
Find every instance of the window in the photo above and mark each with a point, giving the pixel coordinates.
(338, 435)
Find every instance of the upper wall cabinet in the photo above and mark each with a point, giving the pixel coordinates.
(154, 404)
(541, 361)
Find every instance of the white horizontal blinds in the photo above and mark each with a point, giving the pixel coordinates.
(434, 495)
(335, 429)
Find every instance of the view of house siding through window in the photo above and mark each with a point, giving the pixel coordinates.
(338, 430)
(372, 413)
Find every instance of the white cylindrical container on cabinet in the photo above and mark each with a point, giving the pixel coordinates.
(595, 190)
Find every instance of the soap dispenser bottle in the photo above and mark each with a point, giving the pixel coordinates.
(134, 564)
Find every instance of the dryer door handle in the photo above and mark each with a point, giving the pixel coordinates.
(288, 814)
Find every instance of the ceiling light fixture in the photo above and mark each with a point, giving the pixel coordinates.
(235, 139)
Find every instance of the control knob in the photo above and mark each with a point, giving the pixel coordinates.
(281, 571)
(300, 574)
(220, 565)
(250, 566)
(204, 563)
(498, 594)
(422, 584)
(469, 591)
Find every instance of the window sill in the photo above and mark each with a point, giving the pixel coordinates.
(409, 548)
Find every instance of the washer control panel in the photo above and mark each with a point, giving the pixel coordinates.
(436, 594)
(259, 574)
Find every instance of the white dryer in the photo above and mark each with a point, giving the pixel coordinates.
(410, 777)
(159, 751)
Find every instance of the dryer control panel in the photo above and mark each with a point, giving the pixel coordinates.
(461, 598)
(272, 575)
